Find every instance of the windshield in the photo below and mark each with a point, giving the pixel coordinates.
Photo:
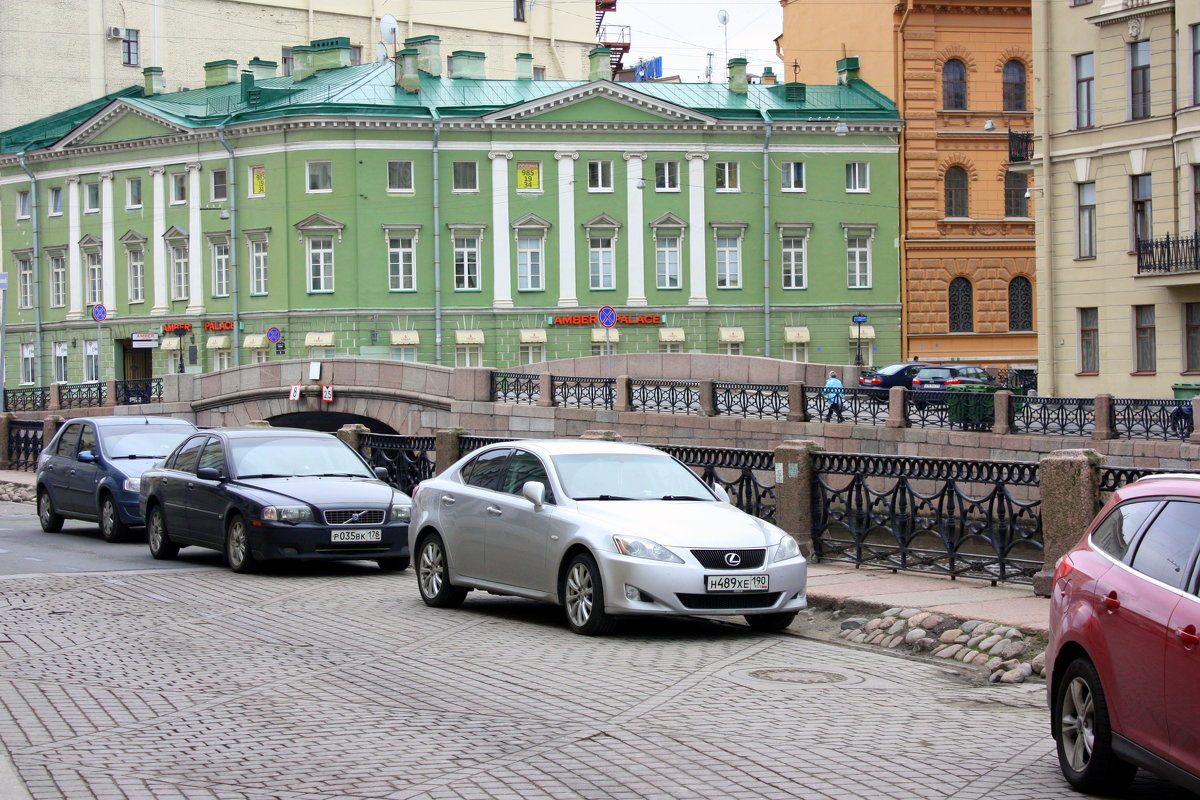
(628, 476)
(287, 457)
(143, 441)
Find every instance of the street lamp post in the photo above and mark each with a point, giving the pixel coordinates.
(858, 319)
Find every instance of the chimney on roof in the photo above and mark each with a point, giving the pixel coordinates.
(220, 73)
(468, 64)
(847, 70)
(331, 53)
(429, 54)
(155, 81)
(247, 85)
(524, 66)
(738, 83)
(406, 70)
(600, 64)
(768, 76)
(262, 69)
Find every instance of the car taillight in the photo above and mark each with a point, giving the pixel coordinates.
(1063, 568)
(916, 382)
(875, 381)
(413, 493)
(953, 381)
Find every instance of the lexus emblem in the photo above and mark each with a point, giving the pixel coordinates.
(733, 559)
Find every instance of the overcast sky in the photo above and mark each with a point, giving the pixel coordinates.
(683, 32)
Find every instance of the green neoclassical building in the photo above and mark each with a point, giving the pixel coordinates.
(413, 209)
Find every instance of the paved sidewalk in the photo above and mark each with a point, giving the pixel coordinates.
(17, 476)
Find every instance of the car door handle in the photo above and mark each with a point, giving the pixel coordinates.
(191, 485)
(494, 511)
(447, 500)
(1110, 602)
(1188, 636)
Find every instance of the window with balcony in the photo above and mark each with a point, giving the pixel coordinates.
(956, 192)
(961, 306)
(954, 85)
(1085, 90)
(1013, 77)
(1139, 80)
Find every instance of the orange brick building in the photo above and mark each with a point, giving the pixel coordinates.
(961, 73)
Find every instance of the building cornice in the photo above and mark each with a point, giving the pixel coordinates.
(1114, 12)
(1000, 7)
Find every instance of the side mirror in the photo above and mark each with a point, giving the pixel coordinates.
(534, 492)
(86, 456)
(209, 474)
(382, 474)
(720, 492)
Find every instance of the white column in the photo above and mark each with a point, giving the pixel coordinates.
(109, 246)
(566, 227)
(195, 244)
(697, 269)
(158, 247)
(74, 261)
(635, 246)
(501, 249)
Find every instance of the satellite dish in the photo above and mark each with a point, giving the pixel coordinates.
(389, 29)
(381, 52)
(723, 17)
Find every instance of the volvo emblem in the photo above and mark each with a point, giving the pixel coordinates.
(355, 517)
(733, 559)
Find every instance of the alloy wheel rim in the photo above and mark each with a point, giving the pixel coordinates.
(579, 594)
(431, 570)
(44, 508)
(1078, 724)
(155, 531)
(237, 544)
(107, 514)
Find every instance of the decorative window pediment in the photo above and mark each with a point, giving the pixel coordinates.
(602, 221)
(90, 242)
(175, 232)
(668, 220)
(133, 240)
(319, 223)
(530, 221)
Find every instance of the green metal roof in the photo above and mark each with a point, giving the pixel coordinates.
(48, 130)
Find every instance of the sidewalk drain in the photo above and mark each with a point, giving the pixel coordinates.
(793, 675)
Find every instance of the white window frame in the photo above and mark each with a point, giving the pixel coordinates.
(213, 185)
(24, 204)
(135, 260)
(670, 347)
(533, 353)
(220, 267)
(468, 255)
(730, 348)
(260, 355)
(260, 268)
(794, 177)
(91, 198)
(855, 233)
(129, 184)
(62, 362)
(468, 355)
(793, 276)
(662, 261)
(179, 187)
(222, 359)
(531, 260)
(406, 353)
(727, 260)
(319, 274)
(600, 175)
(181, 270)
(250, 193)
(464, 185)
(94, 270)
(399, 187)
(91, 361)
(25, 282)
(54, 198)
(666, 176)
(858, 177)
(319, 172)
(402, 262)
(798, 351)
(602, 261)
(58, 279)
(728, 176)
(28, 373)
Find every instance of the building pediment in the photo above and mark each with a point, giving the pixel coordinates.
(89, 240)
(669, 220)
(175, 232)
(599, 101)
(320, 222)
(601, 221)
(531, 221)
(133, 238)
(120, 121)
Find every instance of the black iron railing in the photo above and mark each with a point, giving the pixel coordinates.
(139, 390)
(1113, 478)
(862, 406)
(1019, 380)
(747, 475)
(30, 398)
(1053, 416)
(762, 400)
(583, 392)
(83, 395)
(665, 396)
(408, 459)
(1020, 146)
(1152, 419)
(468, 444)
(1169, 254)
(516, 387)
(951, 516)
(24, 443)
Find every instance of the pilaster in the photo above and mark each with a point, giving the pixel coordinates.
(697, 268)
(108, 249)
(501, 262)
(195, 243)
(567, 296)
(635, 246)
(74, 258)
(158, 247)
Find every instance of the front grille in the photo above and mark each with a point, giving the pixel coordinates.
(344, 516)
(713, 602)
(715, 559)
(353, 547)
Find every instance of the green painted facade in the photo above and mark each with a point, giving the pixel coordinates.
(358, 120)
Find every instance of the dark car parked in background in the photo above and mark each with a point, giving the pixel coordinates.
(938, 376)
(266, 494)
(885, 378)
(1123, 659)
(91, 470)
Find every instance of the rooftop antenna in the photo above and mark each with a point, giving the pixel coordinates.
(723, 19)
(796, 71)
(708, 69)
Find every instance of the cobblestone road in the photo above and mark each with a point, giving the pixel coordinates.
(335, 683)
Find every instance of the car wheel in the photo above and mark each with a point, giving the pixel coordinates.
(395, 564)
(161, 546)
(237, 546)
(433, 570)
(49, 520)
(583, 597)
(1084, 735)
(111, 526)
(769, 623)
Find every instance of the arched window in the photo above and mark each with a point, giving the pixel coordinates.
(956, 193)
(954, 85)
(1016, 204)
(1020, 304)
(961, 296)
(1014, 86)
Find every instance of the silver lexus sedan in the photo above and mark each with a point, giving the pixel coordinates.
(604, 529)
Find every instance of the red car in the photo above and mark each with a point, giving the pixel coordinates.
(1123, 661)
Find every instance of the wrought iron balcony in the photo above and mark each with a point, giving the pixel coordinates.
(1020, 146)
(1168, 254)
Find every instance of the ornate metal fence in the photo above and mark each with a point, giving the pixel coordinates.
(516, 387)
(1113, 478)
(748, 475)
(1022, 380)
(1053, 416)
(139, 390)
(24, 443)
(28, 399)
(1152, 419)
(583, 392)
(1169, 254)
(665, 396)
(408, 459)
(763, 400)
(951, 516)
(862, 406)
(83, 395)
(467, 444)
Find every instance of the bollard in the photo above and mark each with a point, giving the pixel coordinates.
(623, 393)
(1002, 408)
(5, 427)
(1106, 421)
(1070, 499)
(898, 408)
(793, 490)
(708, 398)
(796, 410)
(545, 390)
(446, 448)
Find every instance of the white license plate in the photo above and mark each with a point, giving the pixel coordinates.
(372, 535)
(736, 583)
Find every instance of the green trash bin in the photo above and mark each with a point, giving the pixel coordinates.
(972, 406)
(1185, 391)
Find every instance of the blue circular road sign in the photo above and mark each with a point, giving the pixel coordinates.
(99, 312)
(608, 317)
(273, 335)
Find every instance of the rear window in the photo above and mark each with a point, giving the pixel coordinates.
(892, 369)
(933, 374)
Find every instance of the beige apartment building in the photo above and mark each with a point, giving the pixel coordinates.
(1117, 157)
(56, 54)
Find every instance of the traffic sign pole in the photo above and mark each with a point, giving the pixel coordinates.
(3, 333)
(608, 318)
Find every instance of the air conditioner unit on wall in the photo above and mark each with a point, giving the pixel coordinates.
(116, 33)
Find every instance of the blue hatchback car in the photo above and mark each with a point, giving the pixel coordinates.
(90, 470)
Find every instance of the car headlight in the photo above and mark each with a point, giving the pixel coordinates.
(401, 513)
(638, 547)
(287, 514)
(132, 484)
(788, 548)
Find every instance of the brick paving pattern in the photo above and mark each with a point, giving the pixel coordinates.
(310, 684)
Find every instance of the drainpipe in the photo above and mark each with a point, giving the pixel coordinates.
(766, 194)
(437, 241)
(233, 259)
(898, 45)
(37, 271)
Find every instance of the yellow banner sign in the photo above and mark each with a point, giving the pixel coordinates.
(529, 175)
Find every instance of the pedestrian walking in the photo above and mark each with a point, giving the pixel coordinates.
(833, 392)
